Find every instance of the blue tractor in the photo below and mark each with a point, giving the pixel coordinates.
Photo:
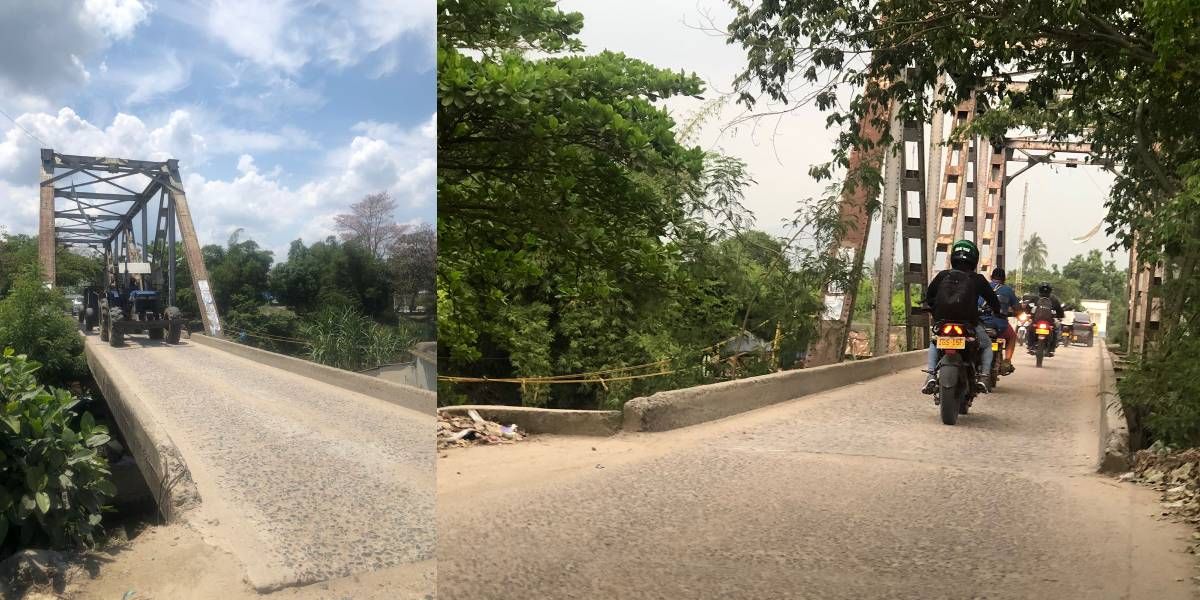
(130, 310)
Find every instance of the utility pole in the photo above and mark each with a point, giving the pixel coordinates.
(1021, 243)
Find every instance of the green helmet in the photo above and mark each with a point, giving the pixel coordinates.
(964, 255)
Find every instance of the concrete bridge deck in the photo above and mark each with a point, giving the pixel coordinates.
(302, 481)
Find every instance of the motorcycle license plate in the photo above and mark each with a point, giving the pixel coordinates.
(1041, 331)
(995, 346)
(952, 343)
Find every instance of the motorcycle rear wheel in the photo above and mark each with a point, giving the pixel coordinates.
(950, 398)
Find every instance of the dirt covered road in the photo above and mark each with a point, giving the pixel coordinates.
(859, 492)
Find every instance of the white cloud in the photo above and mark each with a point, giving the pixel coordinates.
(265, 93)
(20, 204)
(288, 34)
(82, 69)
(117, 18)
(228, 139)
(150, 81)
(259, 31)
(45, 44)
(127, 135)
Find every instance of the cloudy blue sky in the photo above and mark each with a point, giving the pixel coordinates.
(281, 112)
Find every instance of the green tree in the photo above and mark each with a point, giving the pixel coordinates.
(333, 274)
(1099, 279)
(1033, 254)
(566, 204)
(71, 269)
(34, 321)
(239, 272)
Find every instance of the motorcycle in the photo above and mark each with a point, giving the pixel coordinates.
(998, 346)
(1041, 347)
(1022, 327)
(955, 372)
(1064, 337)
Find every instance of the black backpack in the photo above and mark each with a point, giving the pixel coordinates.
(1044, 310)
(956, 298)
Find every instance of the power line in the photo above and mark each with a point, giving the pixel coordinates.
(22, 128)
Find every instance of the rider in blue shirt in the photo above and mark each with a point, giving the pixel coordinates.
(999, 322)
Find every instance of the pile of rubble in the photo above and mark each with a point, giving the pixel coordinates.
(1177, 475)
(458, 430)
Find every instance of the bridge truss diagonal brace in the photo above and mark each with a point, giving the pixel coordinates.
(116, 235)
(191, 250)
(914, 235)
(991, 207)
(957, 190)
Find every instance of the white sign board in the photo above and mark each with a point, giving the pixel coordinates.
(210, 307)
(135, 268)
(833, 306)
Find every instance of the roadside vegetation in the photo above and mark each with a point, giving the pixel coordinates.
(54, 477)
(355, 301)
(589, 240)
(55, 481)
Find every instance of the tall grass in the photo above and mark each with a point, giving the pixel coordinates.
(343, 338)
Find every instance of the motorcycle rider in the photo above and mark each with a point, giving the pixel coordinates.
(1046, 308)
(999, 321)
(953, 295)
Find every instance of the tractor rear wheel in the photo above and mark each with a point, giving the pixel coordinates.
(174, 325)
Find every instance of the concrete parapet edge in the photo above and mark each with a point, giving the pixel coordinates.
(1114, 431)
(423, 401)
(680, 408)
(547, 420)
(159, 460)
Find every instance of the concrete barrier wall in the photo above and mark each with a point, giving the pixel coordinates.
(1114, 431)
(545, 420)
(680, 408)
(157, 457)
(424, 401)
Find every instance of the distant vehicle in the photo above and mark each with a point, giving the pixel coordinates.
(76, 305)
(1081, 329)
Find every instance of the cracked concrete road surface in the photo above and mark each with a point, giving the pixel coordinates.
(301, 481)
(859, 492)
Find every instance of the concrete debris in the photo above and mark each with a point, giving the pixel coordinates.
(473, 429)
(1176, 474)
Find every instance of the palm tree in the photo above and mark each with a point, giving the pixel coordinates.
(1033, 255)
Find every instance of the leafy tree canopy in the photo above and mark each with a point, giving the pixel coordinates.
(34, 322)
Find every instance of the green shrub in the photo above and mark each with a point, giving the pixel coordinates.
(269, 328)
(34, 322)
(1161, 391)
(53, 479)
